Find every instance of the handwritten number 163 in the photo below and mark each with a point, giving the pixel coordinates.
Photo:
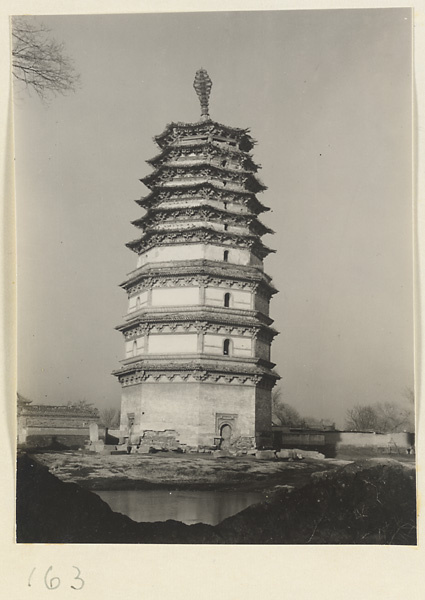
(52, 583)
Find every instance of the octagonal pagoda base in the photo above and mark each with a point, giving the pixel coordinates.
(198, 413)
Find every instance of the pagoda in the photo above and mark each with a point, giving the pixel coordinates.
(197, 365)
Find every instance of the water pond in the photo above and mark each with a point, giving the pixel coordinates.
(210, 507)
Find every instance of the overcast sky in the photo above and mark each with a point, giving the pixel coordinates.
(327, 95)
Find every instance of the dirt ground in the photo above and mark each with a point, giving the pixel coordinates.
(177, 471)
(369, 501)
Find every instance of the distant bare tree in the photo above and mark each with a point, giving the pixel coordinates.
(39, 61)
(284, 414)
(314, 423)
(392, 418)
(361, 418)
(382, 417)
(109, 417)
(83, 405)
(409, 395)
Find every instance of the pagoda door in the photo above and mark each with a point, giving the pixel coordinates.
(226, 435)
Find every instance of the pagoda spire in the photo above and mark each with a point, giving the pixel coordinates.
(202, 85)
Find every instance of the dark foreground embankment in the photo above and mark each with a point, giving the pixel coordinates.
(367, 502)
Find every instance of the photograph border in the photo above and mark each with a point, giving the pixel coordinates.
(164, 571)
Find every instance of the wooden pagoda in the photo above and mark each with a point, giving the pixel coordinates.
(197, 369)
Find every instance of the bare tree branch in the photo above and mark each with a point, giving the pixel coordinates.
(361, 418)
(109, 417)
(39, 61)
(284, 414)
(381, 417)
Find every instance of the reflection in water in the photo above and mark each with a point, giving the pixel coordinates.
(190, 507)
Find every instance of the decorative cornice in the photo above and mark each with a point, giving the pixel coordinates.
(201, 271)
(136, 331)
(204, 190)
(205, 170)
(195, 372)
(224, 324)
(198, 235)
(175, 132)
(192, 280)
(196, 312)
(204, 149)
(204, 212)
(192, 377)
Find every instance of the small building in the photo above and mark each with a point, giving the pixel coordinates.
(55, 426)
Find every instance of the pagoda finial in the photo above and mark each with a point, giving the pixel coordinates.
(202, 85)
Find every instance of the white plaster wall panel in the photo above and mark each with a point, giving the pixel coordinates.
(193, 201)
(241, 299)
(217, 253)
(213, 344)
(228, 163)
(220, 226)
(177, 181)
(239, 229)
(180, 296)
(217, 225)
(238, 298)
(183, 203)
(189, 159)
(172, 253)
(239, 346)
(134, 304)
(189, 181)
(242, 347)
(172, 344)
(230, 185)
(214, 296)
(235, 207)
(143, 298)
(129, 349)
(187, 140)
(237, 256)
(134, 350)
(180, 225)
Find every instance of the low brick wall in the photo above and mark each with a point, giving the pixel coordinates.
(57, 441)
(359, 439)
(330, 442)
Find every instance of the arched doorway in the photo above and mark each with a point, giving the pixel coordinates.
(226, 436)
